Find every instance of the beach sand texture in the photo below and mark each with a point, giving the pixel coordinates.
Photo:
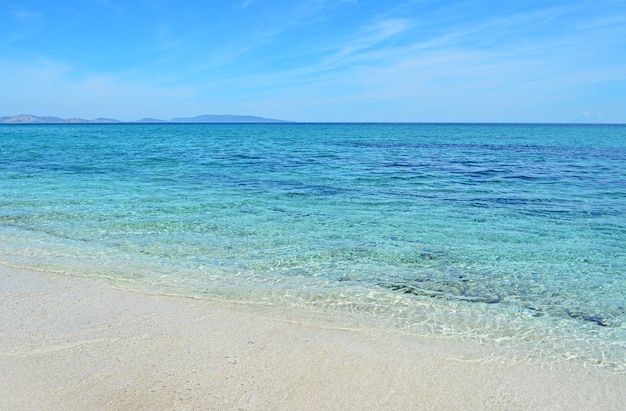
(82, 344)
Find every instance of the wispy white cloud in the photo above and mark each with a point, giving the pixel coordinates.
(27, 16)
(373, 35)
(166, 39)
(591, 114)
(315, 56)
(109, 5)
(50, 87)
(261, 33)
(500, 63)
(366, 44)
(248, 3)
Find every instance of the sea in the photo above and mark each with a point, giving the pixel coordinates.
(510, 235)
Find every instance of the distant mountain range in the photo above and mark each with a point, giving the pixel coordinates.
(206, 118)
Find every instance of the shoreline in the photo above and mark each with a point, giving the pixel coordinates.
(80, 343)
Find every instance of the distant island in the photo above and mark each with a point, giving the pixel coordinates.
(206, 118)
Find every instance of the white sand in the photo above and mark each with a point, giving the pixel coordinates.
(80, 344)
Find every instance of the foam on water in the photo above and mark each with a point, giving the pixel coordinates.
(510, 234)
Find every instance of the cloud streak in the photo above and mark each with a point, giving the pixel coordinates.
(327, 59)
(27, 16)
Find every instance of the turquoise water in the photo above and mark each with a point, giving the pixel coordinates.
(513, 235)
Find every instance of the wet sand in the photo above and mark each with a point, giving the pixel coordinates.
(82, 344)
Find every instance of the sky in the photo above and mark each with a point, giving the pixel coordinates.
(316, 60)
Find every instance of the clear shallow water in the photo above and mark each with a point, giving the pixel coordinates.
(510, 234)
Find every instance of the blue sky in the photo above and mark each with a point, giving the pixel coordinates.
(316, 60)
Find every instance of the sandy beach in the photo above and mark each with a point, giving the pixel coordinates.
(82, 344)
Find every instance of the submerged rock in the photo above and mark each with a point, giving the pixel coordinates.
(594, 318)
